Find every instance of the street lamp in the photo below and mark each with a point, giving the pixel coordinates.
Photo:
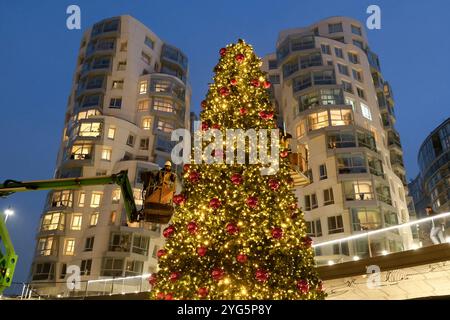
(8, 212)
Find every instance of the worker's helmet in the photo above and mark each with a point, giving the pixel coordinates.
(168, 163)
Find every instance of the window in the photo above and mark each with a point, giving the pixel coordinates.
(358, 190)
(273, 64)
(314, 228)
(365, 219)
(318, 120)
(361, 93)
(323, 172)
(96, 199)
(106, 154)
(353, 58)
(366, 112)
(111, 132)
(119, 242)
(311, 202)
(356, 30)
(113, 217)
(95, 82)
(89, 244)
(324, 77)
(124, 46)
(115, 103)
(90, 129)
(335, 27)
(44, 247)
(308, 203)
(341, 139)
(143, 105)
(350, 102)
(140, 245)
(77, 219)
(301, 129)
(366, 139)
(143, 86)
(357, 75)
(347, 86)
(122, 65)
(335, 224)
(130, 140)
(86, 114)
(85, 268)
(341, 117)
(115, 195)
(137, 193)
(301, 82)
(117, 84)
(44, 271)
(274, 78)
(143, 145)
(165, 126)
(94, 219)
(325, 49)
(112, 267)
(62, 198)
(81, 199)
(134, 268)
(63, 271)
(69, 247)
(351, 163)
(359, 44)
(338, 52)
(52, 221)
(146, 58)
(328, 197)
(164, 105)
(91, 100)
(146, 123)
(343, 69)
(341, 249)
(155, 251)
(149, 42)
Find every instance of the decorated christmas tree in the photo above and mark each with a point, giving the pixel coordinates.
(236, 233)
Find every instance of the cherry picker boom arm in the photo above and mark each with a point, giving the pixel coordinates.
(8, 259)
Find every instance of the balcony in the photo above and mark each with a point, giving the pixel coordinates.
(294, 43)
(173, 55)
(106, 27)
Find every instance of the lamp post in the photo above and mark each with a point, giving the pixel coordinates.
(8, 212)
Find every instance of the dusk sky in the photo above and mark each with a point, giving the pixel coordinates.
(39, 56)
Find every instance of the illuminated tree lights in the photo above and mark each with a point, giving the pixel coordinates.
(236, 234)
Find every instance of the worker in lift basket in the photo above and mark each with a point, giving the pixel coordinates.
(165, 185)
(437, 227)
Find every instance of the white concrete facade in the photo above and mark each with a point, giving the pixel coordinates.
(129, 92)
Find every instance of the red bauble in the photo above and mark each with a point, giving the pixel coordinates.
(243, 111)
(174, 276)
(266, 84)
(241, 258)
(202, 292)
(252, 202)
(152, 279)
(168, 231)
(284, 153)
(194, 176)
(215, 203)
(277, 233)
(205, 126)
(236, 178)
(204, 104)
(274, 184)
(161, 253)
(224, 91)
(232, 229)
(269, 116)
(217, 274)
(186, 167)
(307, 241)
(192, 227)
(222, 51)
(201, 251)
(160, 296)
(239, 57)
(216, 126)
(255, 82)
(168, 296)
(179, 199)
(303, 286)
(233, 82)
(261, 275)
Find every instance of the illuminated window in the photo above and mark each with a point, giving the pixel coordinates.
(164, 105)
(81, 199)
(365, 219)
(366, 111)
(143, 105)
(160, 85)
(62, 198)
(44, 247)
(137, 193)
(96, 199)
(301, 129)
(69, 247)
(318, 120)
(87, 114)
(358, 190)
(350, 102)
(113, 217)
(106, 154)
(111, 133)
(94, 219)
(340, 117)
(143, 86)
(146, 123)
(81, 152)
(115, 196)
(117, 84)
(165, 126)
(76, 222)
(51, 221)
(90, 129)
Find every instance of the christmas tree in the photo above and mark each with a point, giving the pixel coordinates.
(235, 233)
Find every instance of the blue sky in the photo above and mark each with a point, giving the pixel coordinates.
(38, 56)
